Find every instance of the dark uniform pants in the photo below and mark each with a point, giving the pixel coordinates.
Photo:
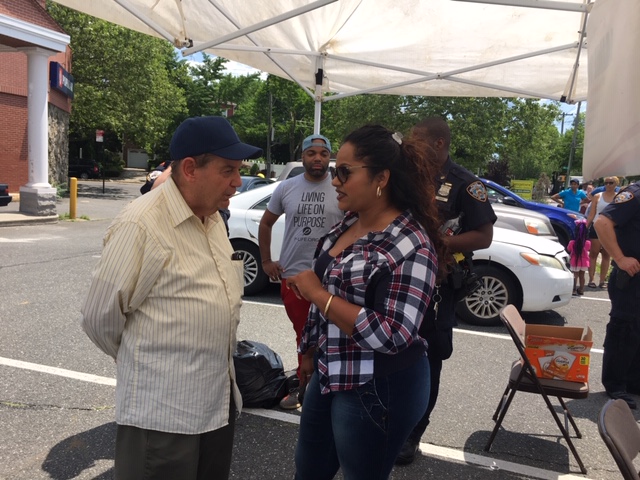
(621, 360)
(438, 332)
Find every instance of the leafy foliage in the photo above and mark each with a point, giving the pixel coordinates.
(123, 80)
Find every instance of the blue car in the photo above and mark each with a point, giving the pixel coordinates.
(562, 220)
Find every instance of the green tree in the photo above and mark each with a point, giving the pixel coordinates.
(530, 137)
(346, 114)
(292, 117)
(560, 156)
(476, 125)
(124, 83)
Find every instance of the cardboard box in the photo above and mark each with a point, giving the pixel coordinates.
(560, 353)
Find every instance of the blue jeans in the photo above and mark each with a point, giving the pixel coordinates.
(360, 430)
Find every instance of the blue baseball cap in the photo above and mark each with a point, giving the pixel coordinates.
(198, 135)
(316, 141)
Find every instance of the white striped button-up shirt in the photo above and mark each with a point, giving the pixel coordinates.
(165, 303)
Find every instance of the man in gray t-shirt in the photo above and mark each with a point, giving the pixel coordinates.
(311, 207)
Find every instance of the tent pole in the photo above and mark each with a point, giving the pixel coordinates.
(573, 146)
(317, 112)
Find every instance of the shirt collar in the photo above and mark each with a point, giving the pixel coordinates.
(179, 210)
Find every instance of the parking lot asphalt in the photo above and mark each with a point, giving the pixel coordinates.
(57, 422)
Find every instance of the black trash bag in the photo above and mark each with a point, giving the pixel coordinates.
(259, 374)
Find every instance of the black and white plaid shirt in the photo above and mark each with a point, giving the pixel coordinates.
(402, 253)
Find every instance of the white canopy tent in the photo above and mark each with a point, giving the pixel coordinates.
(526, 48)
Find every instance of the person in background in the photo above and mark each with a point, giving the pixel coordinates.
(311, 207)
(164, 303)
(618, 227)
(602, 188)
(371, 282)
(571, 198)
(599, 202)
(588, 188)
(467, 220)
(579, 255)
(153, 175)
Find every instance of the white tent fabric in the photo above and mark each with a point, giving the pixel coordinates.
(422, 47)
(525, 48)
(612, 135)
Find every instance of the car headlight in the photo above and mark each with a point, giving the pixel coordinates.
(536, 227)
(542, 260)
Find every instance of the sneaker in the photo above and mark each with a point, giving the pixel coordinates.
(291, 402)
(408, 452)
(624, 396)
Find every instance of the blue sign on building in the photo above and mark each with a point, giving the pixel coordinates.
(60, 79)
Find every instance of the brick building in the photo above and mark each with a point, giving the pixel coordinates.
(34, 111)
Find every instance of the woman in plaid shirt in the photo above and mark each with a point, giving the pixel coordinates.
(371, 283)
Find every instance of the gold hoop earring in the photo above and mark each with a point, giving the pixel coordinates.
(378, 192)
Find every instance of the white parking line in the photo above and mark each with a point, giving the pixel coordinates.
(426, 448)
(62, 372)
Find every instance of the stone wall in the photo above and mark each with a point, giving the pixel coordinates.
(58, 145)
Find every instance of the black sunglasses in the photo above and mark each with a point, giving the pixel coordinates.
(343, 172)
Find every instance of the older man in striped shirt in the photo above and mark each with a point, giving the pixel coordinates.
(164, 302)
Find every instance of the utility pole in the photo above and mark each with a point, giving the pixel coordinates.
(573, 145)
(269, 137)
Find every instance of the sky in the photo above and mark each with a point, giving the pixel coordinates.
(234, 68)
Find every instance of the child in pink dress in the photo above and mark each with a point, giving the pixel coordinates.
(579, 251)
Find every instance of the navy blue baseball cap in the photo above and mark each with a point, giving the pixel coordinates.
(316, 141)
(198, 135)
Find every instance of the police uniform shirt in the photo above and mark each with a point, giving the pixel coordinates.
(624, 211)
(457, 191)
(460, 191)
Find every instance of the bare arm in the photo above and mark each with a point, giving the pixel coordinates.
(606, 234)
(271, 268)
(472, 240)
(556, 198)
(592, 210)
(341, 312)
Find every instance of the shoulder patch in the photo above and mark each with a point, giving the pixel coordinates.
(623, 196)
(477, 191)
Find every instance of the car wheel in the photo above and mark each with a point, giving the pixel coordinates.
(255, 280)
(84, 175)
(561, 233)
(483, 306)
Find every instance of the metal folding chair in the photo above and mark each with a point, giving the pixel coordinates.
(620, 432)
(523, 378)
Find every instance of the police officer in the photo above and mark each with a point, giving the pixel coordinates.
(152, 175)
(467, 222)
(618, 228)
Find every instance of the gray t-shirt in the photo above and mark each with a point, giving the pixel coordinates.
(311, 209)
